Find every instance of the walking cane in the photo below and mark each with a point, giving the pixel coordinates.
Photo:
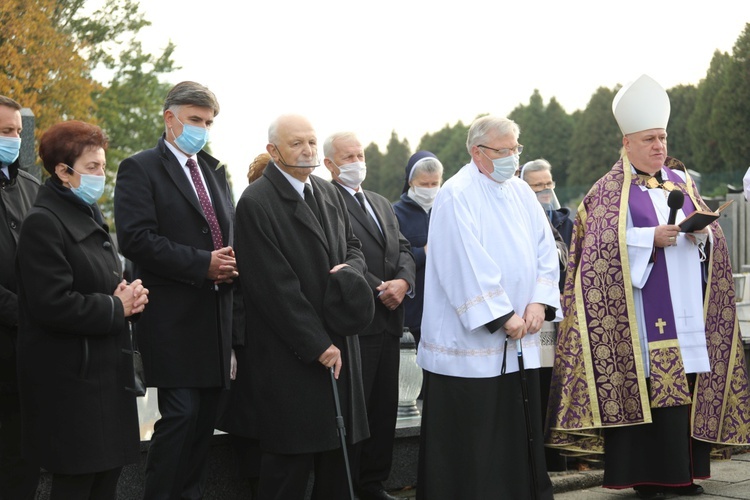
(527, 414)
(342, 433)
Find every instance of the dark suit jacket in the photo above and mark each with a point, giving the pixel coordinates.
(185, 332)
(284, 258)
(387, 258)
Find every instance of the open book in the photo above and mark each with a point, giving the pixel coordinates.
(700, 219)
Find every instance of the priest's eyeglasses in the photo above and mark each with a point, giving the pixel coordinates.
(540, 186)
(517, 149)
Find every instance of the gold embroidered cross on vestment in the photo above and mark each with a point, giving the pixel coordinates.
(660, 325)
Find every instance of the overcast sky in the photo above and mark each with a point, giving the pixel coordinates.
(414, 66)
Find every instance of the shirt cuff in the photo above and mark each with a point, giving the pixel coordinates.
(498, 323)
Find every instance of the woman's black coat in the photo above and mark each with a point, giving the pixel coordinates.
(72, 341)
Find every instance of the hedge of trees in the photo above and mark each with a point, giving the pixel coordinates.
(709, 130)
(51, 50)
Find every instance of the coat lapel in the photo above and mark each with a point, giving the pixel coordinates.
(79, 225)
(382, 237)
(208, 165)
(215, 180)
(301, 211)
(176, 173)
(356, 212)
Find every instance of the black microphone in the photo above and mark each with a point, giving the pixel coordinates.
(674, 201)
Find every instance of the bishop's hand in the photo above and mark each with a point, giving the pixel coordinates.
(666, 235)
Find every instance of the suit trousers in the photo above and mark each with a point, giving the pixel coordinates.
(285, 477)
(18, 478)
(96, 486)
(176, 462)
(380, 364)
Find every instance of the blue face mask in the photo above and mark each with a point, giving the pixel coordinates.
(90, 189)
(9, 149)
(192, 139)
(505, 168)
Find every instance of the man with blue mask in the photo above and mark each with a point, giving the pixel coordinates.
(174, 216)
(18, 478)
(490, 282)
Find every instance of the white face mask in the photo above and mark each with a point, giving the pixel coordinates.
(352, 174)
(424, 196)
(504, 168)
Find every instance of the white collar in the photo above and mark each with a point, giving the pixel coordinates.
(297, 184)
(182, 158)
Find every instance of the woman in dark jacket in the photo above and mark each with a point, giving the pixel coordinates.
(80, 421)
(424, 175)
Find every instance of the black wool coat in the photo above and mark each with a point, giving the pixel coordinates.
(282, 394)
(16, 197)
(77, 415)
(185, 333)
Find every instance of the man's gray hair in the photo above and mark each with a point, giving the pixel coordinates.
(535, 166)
(486, 125)
(328, 148)
(191, 93)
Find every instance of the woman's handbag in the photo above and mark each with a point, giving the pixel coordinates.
(139, 376)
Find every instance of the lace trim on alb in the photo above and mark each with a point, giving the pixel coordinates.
(478, 300)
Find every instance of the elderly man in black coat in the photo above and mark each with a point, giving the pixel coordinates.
(174, 218)
(294, 240)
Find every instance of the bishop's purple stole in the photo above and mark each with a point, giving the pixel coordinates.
(668, 381)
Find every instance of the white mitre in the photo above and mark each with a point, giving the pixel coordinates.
(641, 105)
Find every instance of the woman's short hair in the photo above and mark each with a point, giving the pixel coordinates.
(65, 142)
(257, 167)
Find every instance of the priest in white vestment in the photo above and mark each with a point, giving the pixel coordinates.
(491, 281)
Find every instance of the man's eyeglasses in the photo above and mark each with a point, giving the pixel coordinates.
(539, 186)
(505, 151)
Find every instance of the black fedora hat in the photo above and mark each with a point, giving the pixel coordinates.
(349, 303)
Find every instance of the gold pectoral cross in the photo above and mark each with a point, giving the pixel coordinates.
(660, 325)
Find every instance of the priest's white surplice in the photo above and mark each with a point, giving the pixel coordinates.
(490, 251)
